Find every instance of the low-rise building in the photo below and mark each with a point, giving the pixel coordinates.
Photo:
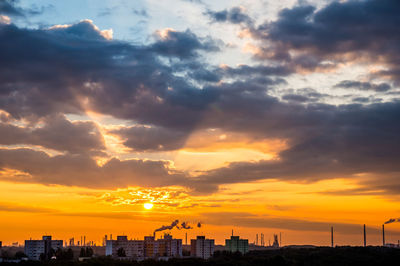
(202, 247)
(236, 244)
(45, 248)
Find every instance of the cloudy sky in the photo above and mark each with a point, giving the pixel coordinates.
(262, 116)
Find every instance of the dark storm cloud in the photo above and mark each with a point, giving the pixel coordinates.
(107, 76)
(57, 133)
(182, 44)
(361, 99)
(339, 32)
(11, 8)
(74, 69)
(235, 15)
(82, 170)
(365, 86)
(7, 7)
(142, 138)
(325, 142)
(296, 98)
(263, 70)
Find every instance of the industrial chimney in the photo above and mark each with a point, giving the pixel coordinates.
(332, 236)
(383, 234)
(365, 237)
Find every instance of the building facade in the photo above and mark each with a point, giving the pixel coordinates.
(235, 244)
(46, 247)
(202, 247)
(148, 248)
(133, 249)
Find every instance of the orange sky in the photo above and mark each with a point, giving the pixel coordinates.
(33, 210)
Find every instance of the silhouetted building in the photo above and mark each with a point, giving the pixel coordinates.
(164, 247)
(133, 249)
(236, 244)
(202, 247)
(147, 248)
(45, 248)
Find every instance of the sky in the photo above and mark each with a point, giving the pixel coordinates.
(256, 116)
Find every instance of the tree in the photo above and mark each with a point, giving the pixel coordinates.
(121, 252)
(82, 253)
(89, 252)
(20, 255)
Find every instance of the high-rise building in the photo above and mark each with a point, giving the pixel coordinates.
(164, 247)
(133, 249)
(148, 248)
(202, 247)
(46, 248)
(236, 244)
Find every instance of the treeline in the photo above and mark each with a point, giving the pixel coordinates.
(340, 256)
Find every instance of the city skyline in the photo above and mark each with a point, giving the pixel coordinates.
(262, 117)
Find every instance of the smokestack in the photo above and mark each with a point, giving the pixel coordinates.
(365, 237)
(186, 238)
(332, 236)
(256, 239)
(232, 232)
(280, 239)
(383, 234)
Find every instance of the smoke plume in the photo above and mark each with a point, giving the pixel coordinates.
(167, 227)
(392, 220)
(185, 225)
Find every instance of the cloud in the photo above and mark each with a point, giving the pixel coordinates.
(182, 44)
(82, 170)
(5, 19)
(365, 86)
(235, 15)
(8, 7)
(57, 133)
(151, 138)
(340, 32)
(84, 29)
(11, 207)
(137, 83)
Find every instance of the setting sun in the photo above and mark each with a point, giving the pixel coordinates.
(148, 206)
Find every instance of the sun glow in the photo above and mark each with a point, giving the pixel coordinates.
(148, 206)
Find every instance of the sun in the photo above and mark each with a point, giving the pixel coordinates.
(148, 206)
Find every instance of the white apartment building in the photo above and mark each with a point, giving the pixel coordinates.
(202, 247)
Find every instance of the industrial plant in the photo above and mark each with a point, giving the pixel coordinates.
(164, 247)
